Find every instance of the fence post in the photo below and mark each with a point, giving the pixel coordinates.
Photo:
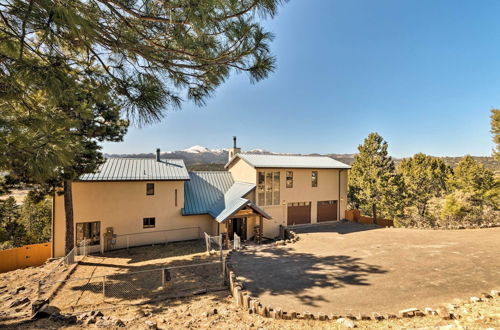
(104, 288)
(223, 270)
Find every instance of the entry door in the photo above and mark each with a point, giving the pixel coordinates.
(299, 213)
(327, 211)
(239, 227)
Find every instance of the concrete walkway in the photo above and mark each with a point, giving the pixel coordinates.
(350, 268)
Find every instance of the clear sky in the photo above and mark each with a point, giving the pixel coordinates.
(422, 73)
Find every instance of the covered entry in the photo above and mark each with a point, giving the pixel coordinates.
(327, 211)
(299, 213)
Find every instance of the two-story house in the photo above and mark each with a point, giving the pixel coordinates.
(130, 202)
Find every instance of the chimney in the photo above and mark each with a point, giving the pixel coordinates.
(234, 150)
(158, 155)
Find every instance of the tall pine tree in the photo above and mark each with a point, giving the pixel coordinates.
(373, 182)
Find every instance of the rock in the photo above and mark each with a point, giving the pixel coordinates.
(46, 311)
(346, 323)
(428, 311)
(20, 301)
(102, 323)
(151, 325)
(63, 318)
(474, 299)
(444, 313)
(37, 304)
(495, 293)
(409, 312)
(377, 316)
(211, 312)
(90, 320)
(19, 289)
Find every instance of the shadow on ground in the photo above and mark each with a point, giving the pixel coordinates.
(336, 227)
(299, 272)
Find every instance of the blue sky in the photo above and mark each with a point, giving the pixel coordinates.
(422, 73)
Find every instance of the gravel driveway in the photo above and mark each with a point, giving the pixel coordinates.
(348, 267)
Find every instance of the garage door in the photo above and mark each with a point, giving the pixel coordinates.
(299, 213)
(327, 211)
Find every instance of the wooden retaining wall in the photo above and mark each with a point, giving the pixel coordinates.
(24, 256)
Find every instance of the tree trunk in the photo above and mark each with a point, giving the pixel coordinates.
(374, 211)
(68, 210)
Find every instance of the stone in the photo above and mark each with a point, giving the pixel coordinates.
(37, 304)
(151, 325)
(377, 316)
(19, 302)
(333, 317)
(428, 311)
(346, 322)
(474, 299)
(444, 313)
(409, 312)
(46, 311)
(19, 289)
(495, 293)
(63, 318)
(322, 316)
(118, 323)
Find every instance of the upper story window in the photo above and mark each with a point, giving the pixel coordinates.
(314, 178)
(150, 189)
(268, 188)
(289, 179)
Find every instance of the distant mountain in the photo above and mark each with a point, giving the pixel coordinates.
(202, 158)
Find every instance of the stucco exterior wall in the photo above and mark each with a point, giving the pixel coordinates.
(242, 171)
(302, 191)
(123, 205)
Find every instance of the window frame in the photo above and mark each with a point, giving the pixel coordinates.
(93, 239)
(289, 179)
(146, 226)
(150, 189)
(314, 179)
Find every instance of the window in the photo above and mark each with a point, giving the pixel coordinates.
(289, 179)
(150, 189)
(314, 178)
(148, 222)
(175, 197)
(268, 188)
(88, 231)
(261, 198)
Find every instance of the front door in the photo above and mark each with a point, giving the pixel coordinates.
(239, 228)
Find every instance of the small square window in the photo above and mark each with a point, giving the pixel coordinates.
(314, 178)
(148, 222)
(150, 189)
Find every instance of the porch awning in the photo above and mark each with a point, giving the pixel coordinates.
(234, 201)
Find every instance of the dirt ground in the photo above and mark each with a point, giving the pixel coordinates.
(351, 268)
(136, 276)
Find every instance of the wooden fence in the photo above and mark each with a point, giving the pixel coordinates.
(355, 215)
(24, 256)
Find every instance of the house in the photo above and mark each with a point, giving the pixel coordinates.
(130, 202)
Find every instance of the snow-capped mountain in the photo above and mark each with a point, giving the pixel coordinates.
(200, 155)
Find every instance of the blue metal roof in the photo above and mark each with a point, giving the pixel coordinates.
(216, 193)
(136, 169)
(287, 161)
(204, 190)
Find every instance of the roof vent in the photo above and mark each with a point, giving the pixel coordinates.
(158, 155)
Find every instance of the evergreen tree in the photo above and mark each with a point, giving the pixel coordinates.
(36, 216)
(473, 177)
(373, 181)
(424, 178)
(12, 232)
(67, 68)
(495, 130)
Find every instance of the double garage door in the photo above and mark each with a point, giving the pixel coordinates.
(300, 213)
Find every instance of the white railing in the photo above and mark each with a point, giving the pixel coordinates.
(236, 242)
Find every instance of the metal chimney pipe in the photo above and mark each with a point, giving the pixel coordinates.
(158, 154)
(234, 141)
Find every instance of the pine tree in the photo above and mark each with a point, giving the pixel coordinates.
(495, 130)
(471, 176)
(373, 181)
(424, 178)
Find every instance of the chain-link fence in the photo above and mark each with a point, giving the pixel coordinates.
(140, 286)
(213, 244)
(154, 238)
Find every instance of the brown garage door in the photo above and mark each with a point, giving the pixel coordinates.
(327, 211)
(299, 213)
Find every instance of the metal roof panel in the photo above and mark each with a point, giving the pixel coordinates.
(287, 161)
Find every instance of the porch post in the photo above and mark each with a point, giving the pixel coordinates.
(227, 233)
(261, 229)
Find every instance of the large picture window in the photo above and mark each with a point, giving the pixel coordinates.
(88, 231)
(268, 188)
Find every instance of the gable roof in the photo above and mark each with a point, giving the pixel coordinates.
(204, 190)
(286, 161)
(137, 169)
(215, 193)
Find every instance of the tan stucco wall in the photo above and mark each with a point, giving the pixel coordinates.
(123, 205)
(302, 191)
(242, 171)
